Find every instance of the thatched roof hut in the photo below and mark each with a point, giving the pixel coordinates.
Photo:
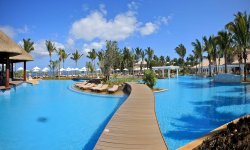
(22, 57)
(8, 46)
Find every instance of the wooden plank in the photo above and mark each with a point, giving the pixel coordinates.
(134, 125)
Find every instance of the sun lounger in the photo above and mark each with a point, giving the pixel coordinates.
(103, 88)
(81, 86)
(88, 86)
(80, 83)
(113, 89)
(97, 87)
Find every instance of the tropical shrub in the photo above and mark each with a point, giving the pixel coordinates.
(149, 78)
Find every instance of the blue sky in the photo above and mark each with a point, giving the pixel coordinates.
(83, 25)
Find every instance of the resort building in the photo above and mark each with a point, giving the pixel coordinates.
(234, 67)
(10, 53)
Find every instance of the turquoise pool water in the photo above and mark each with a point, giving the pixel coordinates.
(194, 106)
(51, 116)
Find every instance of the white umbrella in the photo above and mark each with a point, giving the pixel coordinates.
(20, 69)
(36, 68)
(68, 69)
(45, 69)
(117, 69)
(76, 69)
(62, 69)
(125, 69)
(84, 69)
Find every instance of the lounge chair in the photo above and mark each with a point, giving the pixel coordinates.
(81, 86)
(113, 89)
(97, 87)
(80, 83)
(103, 88)
(88, 86)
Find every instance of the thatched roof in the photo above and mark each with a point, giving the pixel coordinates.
(22, 57)
(7, 45)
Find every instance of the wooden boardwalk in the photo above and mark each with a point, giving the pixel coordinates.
(134, 125)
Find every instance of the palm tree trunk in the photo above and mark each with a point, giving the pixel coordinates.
(201, 65)
(225, 60)
(245, 63)
(196, 69)
(59, 70)
(183, 71)
(210, 73)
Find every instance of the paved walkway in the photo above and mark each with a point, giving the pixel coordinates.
(134, 125)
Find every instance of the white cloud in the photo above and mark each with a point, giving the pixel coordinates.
(148, 28)
(13, 32)
(152, 27)
(96, 26)
(93, 45)
(163, 20)
(70, 42)
(133, 5)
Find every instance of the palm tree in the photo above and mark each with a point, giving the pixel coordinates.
(225, 45)
(150, 53)
(60, 53)
(240, 28)
(76, 56)
(196, 58)
(92, 55)
(89, 67)
(155, 61)
(198, 50)
(50, 47)
(181, 51)
(138, 52)
(53, 66)
(208, 48)
(132, 61)
(168, 60)
(64, 57)
(28, 46)
(100, 56)
(213, 46)
(142, 59)
(162, 60)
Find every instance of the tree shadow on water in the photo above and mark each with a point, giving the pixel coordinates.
(206, 117)
(208, 84)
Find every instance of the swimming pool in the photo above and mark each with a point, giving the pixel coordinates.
(51, 116)
(194, 106)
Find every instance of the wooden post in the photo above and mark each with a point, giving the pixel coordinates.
(7, 84)
(2, 68)
(12, 71)
(24, 71)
